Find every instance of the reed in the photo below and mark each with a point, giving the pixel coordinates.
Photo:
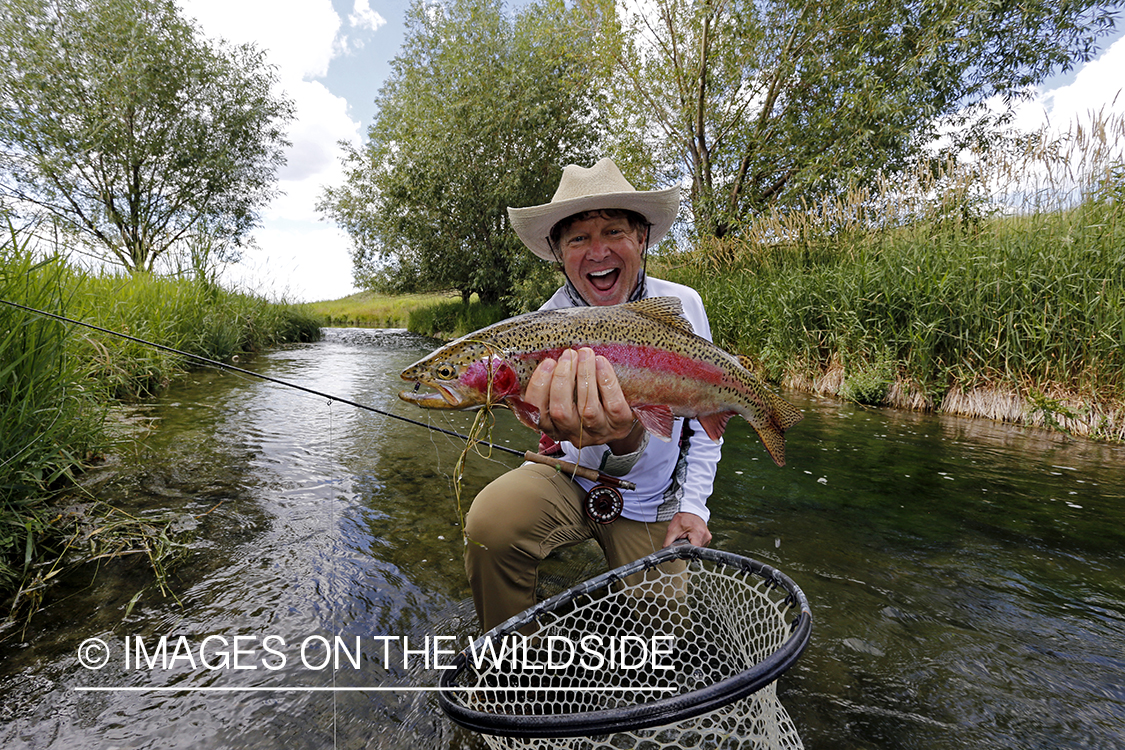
(57, 380)
(194, 316)
(449, 320)
(962, 286)
(50, 419)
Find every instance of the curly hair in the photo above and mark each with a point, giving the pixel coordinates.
(637, 222)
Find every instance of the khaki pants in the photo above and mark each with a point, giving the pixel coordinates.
(523, 516)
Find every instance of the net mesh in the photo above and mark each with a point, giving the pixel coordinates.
(681, 649)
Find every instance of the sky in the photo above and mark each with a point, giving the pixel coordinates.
(332, 56)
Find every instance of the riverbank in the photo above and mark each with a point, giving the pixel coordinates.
(441, 315)
(373, 310)
(59, 381)
(948, 304)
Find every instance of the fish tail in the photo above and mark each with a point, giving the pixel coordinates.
(778, 415)
(785, 414)
(774, 441)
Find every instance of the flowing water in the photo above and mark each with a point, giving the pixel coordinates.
(967, 579)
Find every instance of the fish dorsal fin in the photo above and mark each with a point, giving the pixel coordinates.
(667, 310)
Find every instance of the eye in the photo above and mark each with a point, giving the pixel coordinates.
(446, 371)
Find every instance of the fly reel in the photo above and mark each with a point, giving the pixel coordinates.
(603, 504)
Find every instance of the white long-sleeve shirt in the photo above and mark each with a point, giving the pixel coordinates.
(671, 477)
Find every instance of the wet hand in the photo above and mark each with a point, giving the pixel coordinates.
(580, 400)
(688, 526)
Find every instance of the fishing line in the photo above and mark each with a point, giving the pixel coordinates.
(233, 368)
(591, 474)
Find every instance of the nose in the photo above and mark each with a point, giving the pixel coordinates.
(598, 249)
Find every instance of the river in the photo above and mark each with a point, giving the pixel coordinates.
(966, 578)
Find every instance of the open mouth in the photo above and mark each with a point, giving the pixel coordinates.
(439, 398)
(605, 280)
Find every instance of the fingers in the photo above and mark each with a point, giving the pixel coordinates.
(538, 394)
(689, 526)
(605, 415)
(580, 399)
(617, 409)
(586, 390)
(539, 387)
(562, 397)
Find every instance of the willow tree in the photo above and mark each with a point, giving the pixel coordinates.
(775, 101)
(118, 118)
(481, 111)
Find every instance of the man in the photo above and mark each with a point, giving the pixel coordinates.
(598, 227)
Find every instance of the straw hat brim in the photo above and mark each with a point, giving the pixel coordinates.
(533, 223)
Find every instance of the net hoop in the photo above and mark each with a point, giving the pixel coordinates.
(456, 699)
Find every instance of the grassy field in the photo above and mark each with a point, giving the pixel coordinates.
(371, 310)
(442, 315)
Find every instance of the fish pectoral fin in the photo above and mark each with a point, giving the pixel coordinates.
(526, 413)
(655, 418)
(715, 424)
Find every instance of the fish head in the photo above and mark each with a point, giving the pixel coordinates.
(462, 375)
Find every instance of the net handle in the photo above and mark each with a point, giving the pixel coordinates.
(647, 715)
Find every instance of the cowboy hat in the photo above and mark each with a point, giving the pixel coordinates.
(582, 189)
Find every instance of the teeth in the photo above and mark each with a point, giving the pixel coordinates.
(599, 274)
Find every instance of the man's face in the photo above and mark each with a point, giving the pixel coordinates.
(602, 258)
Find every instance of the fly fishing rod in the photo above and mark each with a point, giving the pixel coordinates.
(565, 466)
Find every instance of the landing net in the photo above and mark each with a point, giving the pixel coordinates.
(679, 649)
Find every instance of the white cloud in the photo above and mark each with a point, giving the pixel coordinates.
(363, 17)
(295, 262)
(322, 121)
(1097, 88)
(299, 257)
(298, 36)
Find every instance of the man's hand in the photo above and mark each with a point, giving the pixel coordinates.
(580, 400)
(690, 526)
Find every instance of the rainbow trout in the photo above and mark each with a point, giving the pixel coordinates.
(663, 367)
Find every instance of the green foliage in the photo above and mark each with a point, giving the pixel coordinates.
(192, 316)
(1050, 410)
(868, 382)
(532, 290)
(1030, 302)
(371, 310)
(50, 421)
(481, 111)
(56, 380)
(762, 104)
(450, 320)
(118, 119)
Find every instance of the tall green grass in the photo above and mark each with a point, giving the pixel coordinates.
(193, 316)
(373, 310)
(453, 319)
(1006, 276)
(57, 379)
(50, 418)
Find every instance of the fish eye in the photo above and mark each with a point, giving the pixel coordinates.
(445, 371)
